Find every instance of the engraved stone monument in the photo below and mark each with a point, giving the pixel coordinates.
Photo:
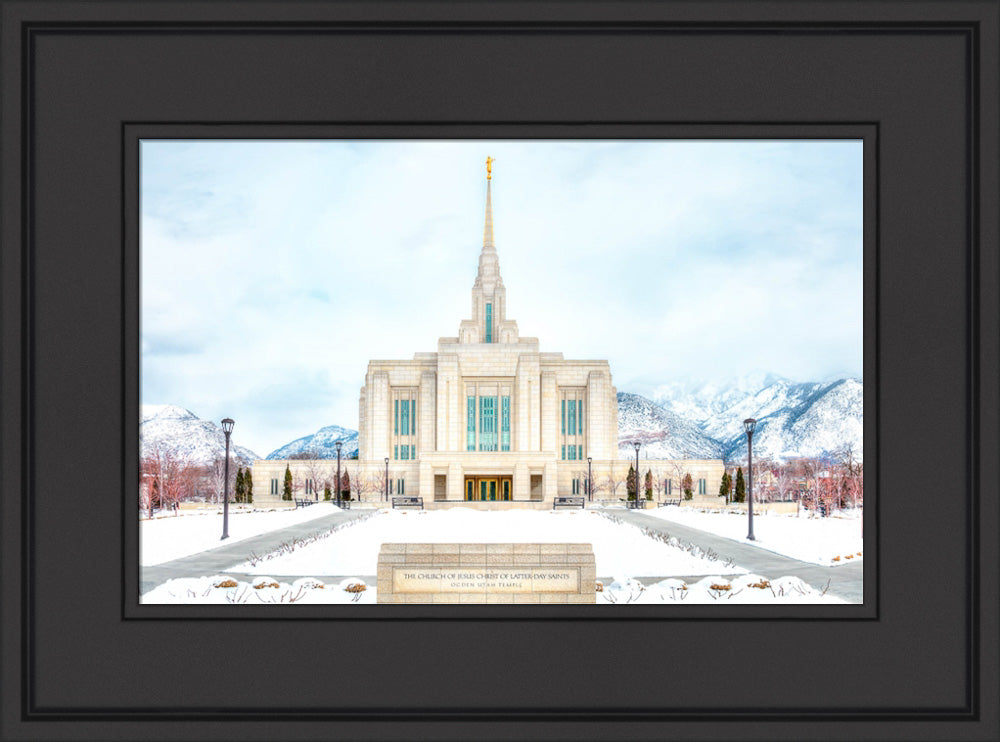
(486, 573)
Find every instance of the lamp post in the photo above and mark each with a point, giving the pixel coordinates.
(749, 424)
(636, 444)
(227, 428)
(385, 489)
(338, 444)
(590, 479)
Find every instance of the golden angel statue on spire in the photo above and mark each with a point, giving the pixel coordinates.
(489, 167)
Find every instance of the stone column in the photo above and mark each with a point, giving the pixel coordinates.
(550, 482)
(521, 487)
(427, 417)
(597, 415)
(455, 482)
(549, 415)
(448, 391)
(378, 415)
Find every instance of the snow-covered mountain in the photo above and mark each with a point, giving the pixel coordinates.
(827, 420)
(321, 444)
(793, 418)
(186, 436)
(663, 434)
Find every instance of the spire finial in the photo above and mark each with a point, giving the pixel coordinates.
(488, 228)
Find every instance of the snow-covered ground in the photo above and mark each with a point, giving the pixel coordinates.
(828, 541)
(166, 538)
(620, 551)
(741, 589)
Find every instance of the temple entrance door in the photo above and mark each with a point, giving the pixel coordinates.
(488, 489)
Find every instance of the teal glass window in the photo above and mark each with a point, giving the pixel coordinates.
(579, 416)
(579, 452)
(404, 417)
(413, 452)
(487, 423)
(505, 423)
(413, 417)
(489, 323)
(395, 452)
(470, 424)
(571, 423)
(396, 417)
(564, 452)
(564, 417)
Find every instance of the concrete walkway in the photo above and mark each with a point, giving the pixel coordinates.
(218, 560)
(846, 581)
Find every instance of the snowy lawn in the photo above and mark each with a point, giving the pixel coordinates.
(618, 549)
(713, 589)
(828, 541)
(166, 538)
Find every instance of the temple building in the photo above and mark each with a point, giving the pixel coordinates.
(487, 419)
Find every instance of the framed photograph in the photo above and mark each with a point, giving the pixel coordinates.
(494, 434)
(97, 98)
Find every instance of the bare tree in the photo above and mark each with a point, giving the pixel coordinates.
(378, 483)
(613, 481)
(763, 478)
(321, 474)
(147, 491)
(809, 472)
(217, 477)
(784, 482)
(659, 485)
(362, 485)
(677, 474)
(170, 478)
(852, 471)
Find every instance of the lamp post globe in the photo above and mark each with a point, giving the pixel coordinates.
(338, 444)
(385, 489)
(749, 425)
(227, 428)
(637, 445)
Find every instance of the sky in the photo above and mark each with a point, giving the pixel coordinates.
(273, 271)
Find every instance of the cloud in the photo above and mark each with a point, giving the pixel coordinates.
(272, 272)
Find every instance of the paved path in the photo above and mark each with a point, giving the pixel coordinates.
(845, 581)
(221, 558)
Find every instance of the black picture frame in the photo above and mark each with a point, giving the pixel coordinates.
(922, 77)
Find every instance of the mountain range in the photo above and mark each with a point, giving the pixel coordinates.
(680, 421)
(186, 436)
(793, 418)
(322, 442)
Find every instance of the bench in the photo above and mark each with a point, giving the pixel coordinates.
(670, 502)
(408, 502)
(302, 503)
(567, 502)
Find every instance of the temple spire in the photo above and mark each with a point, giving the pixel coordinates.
(489, 264)
(488, 322)
(488, 228)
